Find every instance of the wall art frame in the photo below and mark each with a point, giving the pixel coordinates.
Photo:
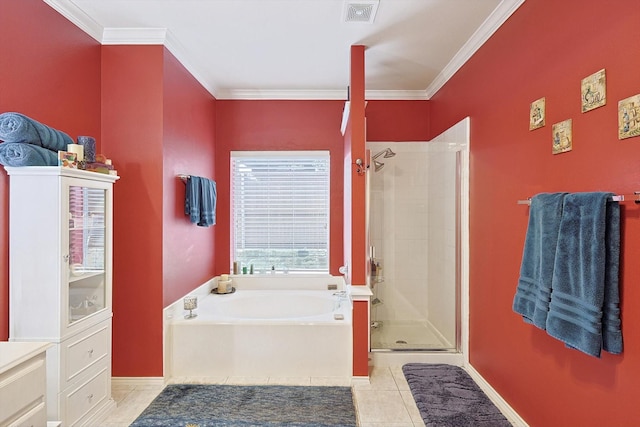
(562, 137)
(594, 91)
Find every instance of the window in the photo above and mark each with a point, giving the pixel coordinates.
(280, 210)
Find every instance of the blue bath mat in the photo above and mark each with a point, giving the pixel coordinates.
(198, 405)
(448, 397)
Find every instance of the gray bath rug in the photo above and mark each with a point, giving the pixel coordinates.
(448, 397)
(198, 405)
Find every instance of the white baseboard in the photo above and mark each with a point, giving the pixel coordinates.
(137, 381)
(502, 404)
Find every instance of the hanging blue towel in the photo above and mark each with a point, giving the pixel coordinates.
(584, 308)
(17, 154)
(536, 271)
(208, 195)
(200, 201)
(16, 127)
(192, 199)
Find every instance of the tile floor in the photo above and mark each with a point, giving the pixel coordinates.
(384, 401)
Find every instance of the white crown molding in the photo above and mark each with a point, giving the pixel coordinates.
(80, 19)
(341, 95)
(178, 51)
(134, 36)
(504, 10)
(403, 95)
(282, 94)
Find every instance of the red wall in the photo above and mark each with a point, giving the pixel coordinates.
(544, 50)
(132, 116)
(397, 120)
(278, 125)
(157, 122)
(189, 145)
(50, 71)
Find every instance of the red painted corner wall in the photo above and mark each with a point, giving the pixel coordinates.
(188, 255)
(397, 120)
(132, 131)
(544, 50)
(49, 71)
(278, 125)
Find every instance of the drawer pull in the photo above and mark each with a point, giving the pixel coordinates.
(90, 397)
(90, 351)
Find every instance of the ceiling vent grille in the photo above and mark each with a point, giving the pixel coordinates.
(360, 11)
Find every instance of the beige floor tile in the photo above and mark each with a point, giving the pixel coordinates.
(410, 404)
(381, 406)
(380, 378)
(198, 380)
(331, 381)
(290, 381)
(399, 378)
(384, 401)
(247, 381)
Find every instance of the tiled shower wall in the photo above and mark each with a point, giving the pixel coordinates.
(412, 226)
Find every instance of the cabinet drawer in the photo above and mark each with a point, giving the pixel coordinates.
(36, 417)
(22, 388)
(79, 401)
(86, 350)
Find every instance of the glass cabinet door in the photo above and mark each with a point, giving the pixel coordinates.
(87, 290)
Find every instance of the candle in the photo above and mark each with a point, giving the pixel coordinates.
(224, 277)
(78, 150)
(222, 286)
(89, 147)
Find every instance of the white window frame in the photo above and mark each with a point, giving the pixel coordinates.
(288, 256)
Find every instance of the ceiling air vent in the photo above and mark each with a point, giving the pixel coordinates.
(360, 11)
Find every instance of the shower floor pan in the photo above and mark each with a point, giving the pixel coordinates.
(408, 336)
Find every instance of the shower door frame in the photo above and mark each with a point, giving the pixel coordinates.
(460, 353)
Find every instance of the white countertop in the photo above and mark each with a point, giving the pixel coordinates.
(14, 353)
(360, 293)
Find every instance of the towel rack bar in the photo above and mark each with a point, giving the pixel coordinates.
(184, 178)
(635, 197)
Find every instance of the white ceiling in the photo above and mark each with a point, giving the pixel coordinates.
(300, 49)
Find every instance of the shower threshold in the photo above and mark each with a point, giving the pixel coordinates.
(407, 336)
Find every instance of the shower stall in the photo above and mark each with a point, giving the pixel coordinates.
(416, 203)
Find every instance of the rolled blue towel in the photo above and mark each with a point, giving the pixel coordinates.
(18, 154)
(16, 127)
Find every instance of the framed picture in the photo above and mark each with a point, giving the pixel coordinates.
(629, 117)
(594, 91)
(536, 114)
(562, 137)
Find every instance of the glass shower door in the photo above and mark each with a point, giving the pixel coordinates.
(413, 222)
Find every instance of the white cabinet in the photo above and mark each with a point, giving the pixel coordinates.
(60, 243)
(22, 384)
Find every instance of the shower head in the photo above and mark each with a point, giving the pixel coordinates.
(386, 152)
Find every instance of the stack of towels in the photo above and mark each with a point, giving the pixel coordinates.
(200, 201)
(569, 275)
(27, 142)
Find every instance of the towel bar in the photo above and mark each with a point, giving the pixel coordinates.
(184, 178)
(635, 197)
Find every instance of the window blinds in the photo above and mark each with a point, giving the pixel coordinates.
(280, 210)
